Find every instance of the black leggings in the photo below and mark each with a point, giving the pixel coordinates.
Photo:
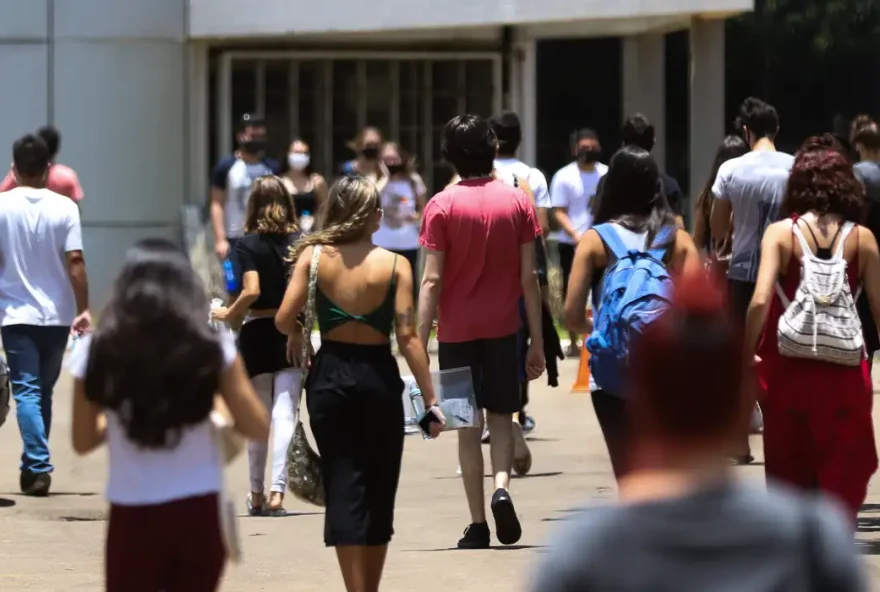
(612, 416)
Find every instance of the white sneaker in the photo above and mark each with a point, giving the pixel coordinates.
(458, 472)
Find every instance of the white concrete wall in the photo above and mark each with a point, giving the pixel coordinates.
(111, 75)
(236, 18)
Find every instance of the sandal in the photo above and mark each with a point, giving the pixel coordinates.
(253, 509)
(277, 512)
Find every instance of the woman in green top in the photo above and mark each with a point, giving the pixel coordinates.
(354, 387)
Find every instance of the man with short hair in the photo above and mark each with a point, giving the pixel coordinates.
(637, 130)
(751, 188)
(43, 299)
(479, 236)
(61, 179)
(231, 181)
(572, 191)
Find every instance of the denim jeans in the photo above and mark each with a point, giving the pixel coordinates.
(34, 355)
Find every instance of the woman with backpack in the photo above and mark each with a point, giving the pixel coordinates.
(633, 242)
(818, 431)
(271, 359)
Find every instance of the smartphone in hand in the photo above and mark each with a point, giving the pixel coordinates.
(430, 417)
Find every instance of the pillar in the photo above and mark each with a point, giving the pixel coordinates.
(706, 99)
(24, 67)
(528, 100)
(120, 100)
(644, 84)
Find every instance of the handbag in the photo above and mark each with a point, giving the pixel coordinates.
(229, 445)
(304, 478)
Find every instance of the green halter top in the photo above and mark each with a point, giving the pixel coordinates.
(381, 318)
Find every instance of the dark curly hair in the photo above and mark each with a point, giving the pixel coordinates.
(154, 359)
(822, 180)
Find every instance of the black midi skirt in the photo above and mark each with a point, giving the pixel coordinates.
(354, 396)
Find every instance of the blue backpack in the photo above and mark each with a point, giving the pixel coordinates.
(636, 289)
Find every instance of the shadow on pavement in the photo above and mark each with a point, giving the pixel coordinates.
(496, 548)
(288, 515)
(6, 502)
(512, 476)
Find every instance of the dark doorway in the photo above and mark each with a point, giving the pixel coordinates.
(579, 85)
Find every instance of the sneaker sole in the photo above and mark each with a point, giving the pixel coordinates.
(507, 526)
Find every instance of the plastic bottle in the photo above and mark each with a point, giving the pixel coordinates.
(229, 276)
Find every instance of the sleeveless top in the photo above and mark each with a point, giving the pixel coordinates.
(380, 318)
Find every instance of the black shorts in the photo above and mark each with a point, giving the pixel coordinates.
(494, 368)
(263, 347)
(566, 258)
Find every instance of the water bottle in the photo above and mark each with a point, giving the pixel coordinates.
(229, 276)
(306, 221)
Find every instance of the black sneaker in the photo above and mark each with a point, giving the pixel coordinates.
(476, 536)
(507, 527)
(35, 484)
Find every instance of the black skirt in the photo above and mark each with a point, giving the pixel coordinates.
(354, 396)
(263, 347)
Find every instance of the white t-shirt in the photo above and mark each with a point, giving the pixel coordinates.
(535, 178)
(574, 190)
(144, 477)
(37, 229)
(396, 232)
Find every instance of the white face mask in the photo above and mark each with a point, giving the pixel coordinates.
(298, 161)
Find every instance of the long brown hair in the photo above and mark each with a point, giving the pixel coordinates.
(346, 212)
(270, 208)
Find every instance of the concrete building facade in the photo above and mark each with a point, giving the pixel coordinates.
(145, 93)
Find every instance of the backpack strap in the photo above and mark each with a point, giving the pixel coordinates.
(662, 242)
(609, 236)
(843, 231)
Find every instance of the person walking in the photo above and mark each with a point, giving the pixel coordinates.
(273, 364)
(638, 131)
(572, 192)
(368, 146)
(479, 238)
(403, 201)
(145, 384)
(630, 216)
(866, 140)
(231, 181)
(307, 188)
(44, 298)
(354, 390)
(685, 522)
(61, 179)
(818, 429)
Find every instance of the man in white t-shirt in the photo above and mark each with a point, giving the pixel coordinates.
(572, 192)
(43, 299)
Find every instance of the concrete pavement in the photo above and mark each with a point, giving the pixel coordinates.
(55, 544)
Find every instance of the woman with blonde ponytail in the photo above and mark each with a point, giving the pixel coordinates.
(353, 387)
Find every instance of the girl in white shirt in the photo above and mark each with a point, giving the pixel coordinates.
(146, 384)
(403, 199)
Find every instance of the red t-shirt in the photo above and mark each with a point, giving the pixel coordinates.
(480, 225)
(61, 179)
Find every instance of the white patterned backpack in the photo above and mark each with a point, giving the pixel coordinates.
(821, 323)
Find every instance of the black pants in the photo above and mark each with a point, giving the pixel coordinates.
(740, 294)
(566, 259)
(612, 416)
(412, 255)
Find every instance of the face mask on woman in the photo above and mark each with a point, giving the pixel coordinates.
(298, 161)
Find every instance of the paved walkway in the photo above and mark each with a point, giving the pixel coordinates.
(55, 544)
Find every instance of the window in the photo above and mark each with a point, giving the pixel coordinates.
(326, 102)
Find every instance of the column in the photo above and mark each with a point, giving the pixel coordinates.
(24, 70)
(644, 84)
(121, 103)
(706, 99)
(528, 100)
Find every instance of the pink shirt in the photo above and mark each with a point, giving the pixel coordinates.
(62, 180)
(480, 225)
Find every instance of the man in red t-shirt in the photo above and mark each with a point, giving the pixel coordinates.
(60, 178)
(480, 261)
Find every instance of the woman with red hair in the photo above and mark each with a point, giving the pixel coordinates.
(818, 431)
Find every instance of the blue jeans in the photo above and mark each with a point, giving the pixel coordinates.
(34, 356)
